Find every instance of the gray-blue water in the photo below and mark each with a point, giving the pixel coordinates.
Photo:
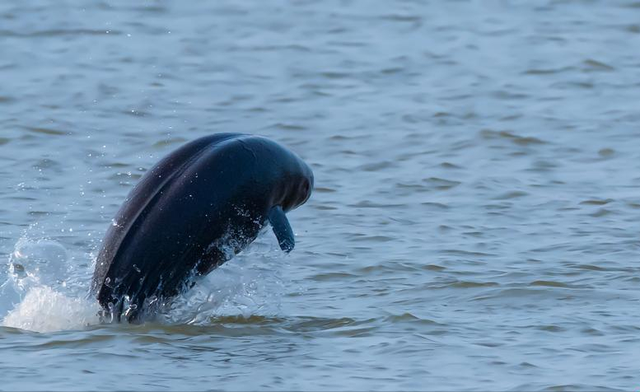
(476, 218)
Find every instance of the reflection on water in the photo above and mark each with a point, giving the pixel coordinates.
(474, 224)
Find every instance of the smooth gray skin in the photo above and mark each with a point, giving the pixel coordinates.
(193, 211)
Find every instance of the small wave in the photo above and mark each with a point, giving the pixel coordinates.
(47, 131)
(489, 134)
(409, 318)
(57, 33)
(591, 65)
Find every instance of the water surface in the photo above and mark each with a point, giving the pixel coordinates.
(475, 219)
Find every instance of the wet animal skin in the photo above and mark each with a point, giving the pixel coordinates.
(193, 211)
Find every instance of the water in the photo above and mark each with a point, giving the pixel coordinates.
(475, 219)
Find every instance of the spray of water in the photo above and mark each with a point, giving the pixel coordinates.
(43, 291)
(37, 292)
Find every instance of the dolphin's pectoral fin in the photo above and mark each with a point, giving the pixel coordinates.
(282, 229)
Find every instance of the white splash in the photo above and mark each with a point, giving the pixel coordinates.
(35, 289)
(46, 310)
(44, 293)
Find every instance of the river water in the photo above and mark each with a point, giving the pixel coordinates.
(475, 222)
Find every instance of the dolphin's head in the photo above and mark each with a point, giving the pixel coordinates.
(278, 175)
(297, 187)
(294, 189)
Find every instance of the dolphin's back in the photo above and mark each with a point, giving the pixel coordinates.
(190, 213)
(140, 201)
